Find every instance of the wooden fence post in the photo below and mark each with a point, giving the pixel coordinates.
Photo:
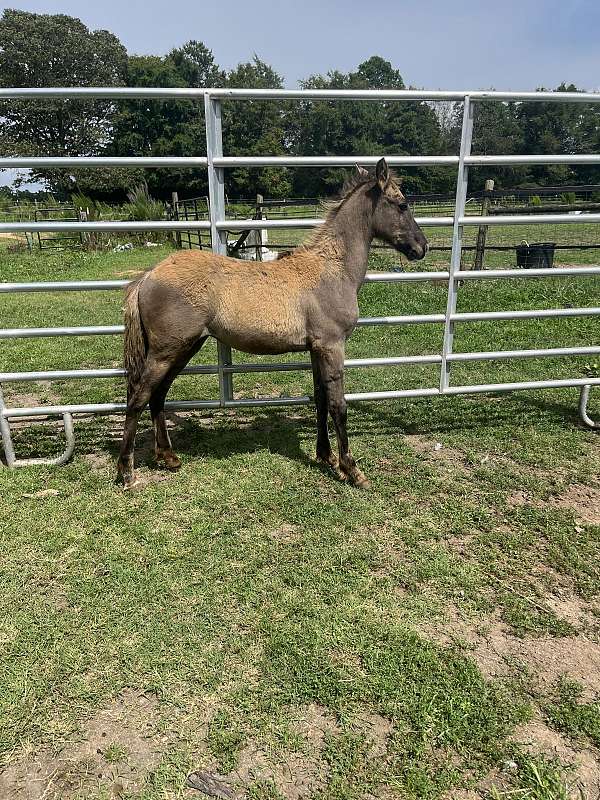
(483, 229)
(175, 202)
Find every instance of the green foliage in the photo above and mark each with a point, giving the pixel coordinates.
(142, 206)
(568, 197)
(33, 53)
(255, 127)
(328, 127)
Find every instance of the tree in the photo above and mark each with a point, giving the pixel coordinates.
(196, 66)
(496, 131)
(556, 128)
(364, 128)
(167, 127)
(254, 128)
(56, 50)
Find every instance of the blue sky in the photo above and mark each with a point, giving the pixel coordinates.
(510, 44)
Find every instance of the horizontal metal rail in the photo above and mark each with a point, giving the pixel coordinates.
(530, 219)
(233, 162)
(62, 286)
(516, 160)
(181, 405)
(297, 366)
(407, 319)
(80, 330)
(545, 313)
(138, 93)
(370, 277)
(332, 161)
(543, 272)
(110, 227)
(565, 383)
(499, 355)
(296, 223)
(81, 162)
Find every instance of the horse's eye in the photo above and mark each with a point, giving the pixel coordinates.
(403, 206)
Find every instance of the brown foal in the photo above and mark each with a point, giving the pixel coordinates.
(306, 300)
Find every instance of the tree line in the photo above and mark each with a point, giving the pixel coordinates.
(38, 50)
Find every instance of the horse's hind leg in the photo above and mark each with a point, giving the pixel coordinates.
(153, 374)
(162, 446)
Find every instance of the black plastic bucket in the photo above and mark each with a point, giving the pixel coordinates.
(538, 254)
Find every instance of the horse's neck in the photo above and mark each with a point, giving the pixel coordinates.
(345, 242)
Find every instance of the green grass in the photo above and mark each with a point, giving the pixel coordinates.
(252, 586)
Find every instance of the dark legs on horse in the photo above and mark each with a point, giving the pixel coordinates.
(324, 452)
(157, 377)
(154, 373)
(162, 441)
(328, 363)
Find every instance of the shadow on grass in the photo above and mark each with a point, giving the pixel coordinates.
(282, 430)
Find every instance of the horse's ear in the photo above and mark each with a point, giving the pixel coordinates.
(361, 171)
(382, 173)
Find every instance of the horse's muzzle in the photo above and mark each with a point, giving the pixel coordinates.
(416, 252)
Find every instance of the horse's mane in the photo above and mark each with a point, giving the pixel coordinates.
(353, 182)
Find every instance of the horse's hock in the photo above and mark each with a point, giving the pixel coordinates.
(218, 225)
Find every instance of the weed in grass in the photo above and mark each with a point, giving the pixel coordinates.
(567, 713)
(115, 753)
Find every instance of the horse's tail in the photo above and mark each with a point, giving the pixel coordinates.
(135, 343)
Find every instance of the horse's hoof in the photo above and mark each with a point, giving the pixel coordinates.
(359, 480)
(330, 460)
(130, 484)
(169, 459)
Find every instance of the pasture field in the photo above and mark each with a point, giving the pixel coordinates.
(434, 638)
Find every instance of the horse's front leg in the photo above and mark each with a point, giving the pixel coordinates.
(331, 368)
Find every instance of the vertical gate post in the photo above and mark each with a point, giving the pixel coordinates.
(258, 234)
(9, 450)
(216, 209)
(175, 202)
(483, 229)
(462, 180)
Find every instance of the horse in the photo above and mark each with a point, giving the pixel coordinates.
(303, 301)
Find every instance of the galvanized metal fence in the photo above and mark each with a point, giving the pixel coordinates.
(216, 164)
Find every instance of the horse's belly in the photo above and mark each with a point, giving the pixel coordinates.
(256, 328)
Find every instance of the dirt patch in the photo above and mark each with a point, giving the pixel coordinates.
(97, 460)
(584, 501)
(294, 775)
(303, 772)
(313, 723)
(117, 749)
(377, 730)
(498, 653)
(538, 739)
(438, 453)
(286, 533)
